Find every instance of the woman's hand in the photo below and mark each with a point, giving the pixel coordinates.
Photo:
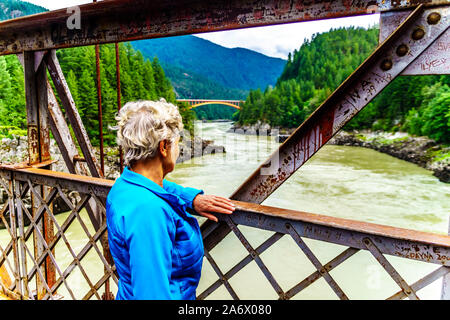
(205, 204)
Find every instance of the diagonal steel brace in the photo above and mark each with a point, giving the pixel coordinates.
(414, 35)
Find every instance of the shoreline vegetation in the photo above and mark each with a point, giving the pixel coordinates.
(14, 150)
(421, 150)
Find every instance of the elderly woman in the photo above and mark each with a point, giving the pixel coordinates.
(155, 242)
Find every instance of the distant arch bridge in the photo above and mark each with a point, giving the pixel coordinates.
(194, 103)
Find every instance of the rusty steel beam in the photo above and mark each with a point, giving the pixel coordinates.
(69, 150)
(434, 60)
(72, 113)
(38, 151)
(397, 52)
(125, 20)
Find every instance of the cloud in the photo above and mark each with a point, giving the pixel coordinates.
(279, 40)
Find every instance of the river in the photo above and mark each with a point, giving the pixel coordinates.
(340, 181)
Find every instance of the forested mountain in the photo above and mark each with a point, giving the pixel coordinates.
(237, 68)
(140, 79)
(417, 104)
(10, 9)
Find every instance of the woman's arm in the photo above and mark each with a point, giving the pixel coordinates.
(205, 204)
(150, 233)
(186, 193)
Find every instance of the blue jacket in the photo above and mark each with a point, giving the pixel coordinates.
(156, 244)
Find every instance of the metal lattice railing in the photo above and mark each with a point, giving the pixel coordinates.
(26, 264)
(378, 246)
(30, 265)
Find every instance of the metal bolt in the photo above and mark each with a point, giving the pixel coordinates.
(288, 226)
(402, 50)
(386, 64)
(433, 18)
(418, 34)
(366, 241)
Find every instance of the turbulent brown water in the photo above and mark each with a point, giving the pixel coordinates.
(348, 182)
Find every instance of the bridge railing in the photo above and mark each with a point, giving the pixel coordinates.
(75, 277)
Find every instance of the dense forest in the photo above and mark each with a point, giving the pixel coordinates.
(10, 9)
(416, 104)
(141, 79)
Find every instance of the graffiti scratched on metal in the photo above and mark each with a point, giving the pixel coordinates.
(410, 244)
(125, 20)
(371, 77)
(434, 60)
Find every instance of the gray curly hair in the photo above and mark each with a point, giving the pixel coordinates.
(143, 124)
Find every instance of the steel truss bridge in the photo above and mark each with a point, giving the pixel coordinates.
(414, 40)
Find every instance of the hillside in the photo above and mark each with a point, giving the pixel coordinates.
(10, 9)
(140, 79)
(232, 68)
(416, 104)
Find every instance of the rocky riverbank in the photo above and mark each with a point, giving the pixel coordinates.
(14, 150)
(422, 151)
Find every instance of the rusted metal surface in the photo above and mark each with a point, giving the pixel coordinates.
(322, 270)
(254, 254)
(434, 60)
(125, 20)
(69, 150)
(410, 293)
(445, 290)
(26, 184)
(369, 79)
(317, 274)
(193, 103)
(422, 283)
(84, 184)
(223, 278)
(71, 111)
(99, 107)
(38, 151)
(411, 244)
(119, 99)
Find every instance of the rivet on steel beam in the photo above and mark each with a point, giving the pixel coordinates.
(418, 34)
(433, 18)
(288, 226)
(386, 64)
(402, 50)
(366, 241)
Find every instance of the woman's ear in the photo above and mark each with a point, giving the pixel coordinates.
(163, 148)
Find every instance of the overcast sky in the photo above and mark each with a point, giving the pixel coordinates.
(274, 41)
